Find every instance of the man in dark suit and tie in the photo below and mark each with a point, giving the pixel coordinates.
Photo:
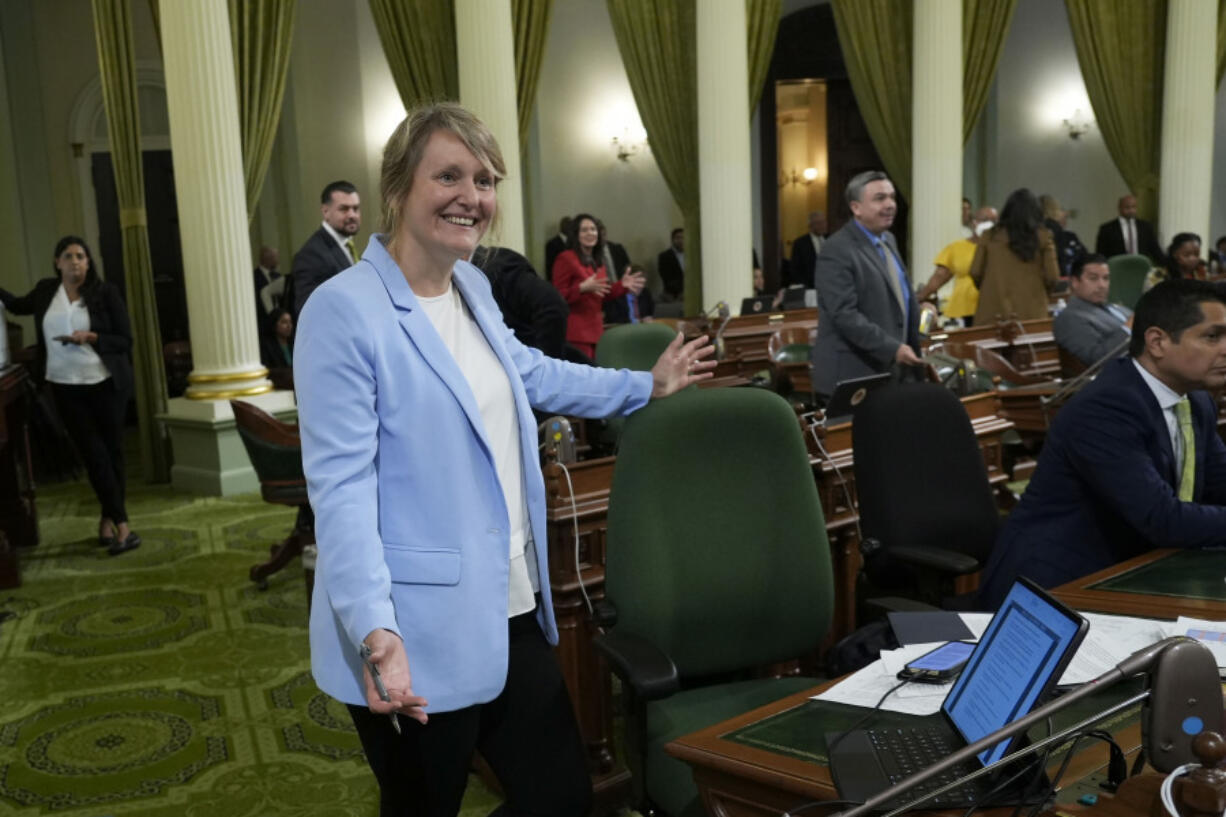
(330, 249)
(867, 316)
(804, 252)
(1133, 462)
(1128, 234)
(670, 264)
(1089, 327)
(555, 246)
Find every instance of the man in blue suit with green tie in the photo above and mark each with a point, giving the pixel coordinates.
(1134, 462)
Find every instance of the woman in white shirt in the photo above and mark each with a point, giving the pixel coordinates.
(84, 346)
(420, 450)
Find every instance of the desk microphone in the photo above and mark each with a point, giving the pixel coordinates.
(725, 314)
(1183, 698)
(558, 439)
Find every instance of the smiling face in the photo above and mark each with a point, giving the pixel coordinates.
(876, 207)
(450, 203)
(73, 265)
(589, 234)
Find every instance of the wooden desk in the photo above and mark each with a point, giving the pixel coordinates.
(584, 670)
(1204, 570)
(740, 780)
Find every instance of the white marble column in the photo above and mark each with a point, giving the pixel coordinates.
(724, 153)
(936, 133)
(202, 103)
(1187, 120)
(485, 51)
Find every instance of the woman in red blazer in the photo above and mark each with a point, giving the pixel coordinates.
(581, 277)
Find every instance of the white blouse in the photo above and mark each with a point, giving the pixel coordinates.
(70, 364)
(492, 389)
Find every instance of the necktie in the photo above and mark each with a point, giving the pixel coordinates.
(1187, 475)
(349, 246)
(1116, 313)
(633, 302)
(898, 283)
(1132, 238)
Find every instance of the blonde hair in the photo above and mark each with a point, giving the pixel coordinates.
(403, 151)
(1051, 207)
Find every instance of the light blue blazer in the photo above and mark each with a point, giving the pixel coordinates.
(409, 514)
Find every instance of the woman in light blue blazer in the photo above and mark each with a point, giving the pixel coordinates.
(420, 449)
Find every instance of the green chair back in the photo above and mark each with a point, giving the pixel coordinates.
(717, 547)
(634, 346)
(1127, 278)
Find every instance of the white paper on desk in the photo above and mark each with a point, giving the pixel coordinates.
(865, 688)
(1210, 633)
(976, 622)
(1110, 640)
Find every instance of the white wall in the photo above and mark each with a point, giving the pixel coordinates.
(1038, 83)
(583, 100)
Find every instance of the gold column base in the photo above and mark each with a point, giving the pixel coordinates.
(230, 394)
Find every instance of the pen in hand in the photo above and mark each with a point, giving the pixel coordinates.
(382, 690)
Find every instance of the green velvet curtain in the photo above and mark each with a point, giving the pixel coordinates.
(117, 69)
(261, 33)
(1221, 39)
(1120, 49)
(985, 24)
(762, 20)
(656, 41)
(418, 39)
(875, 36)
(531, 19)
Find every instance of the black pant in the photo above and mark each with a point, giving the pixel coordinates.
(528, 735)
(93, 416)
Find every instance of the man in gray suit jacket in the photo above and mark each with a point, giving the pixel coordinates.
(1089, 327)
(867, 317)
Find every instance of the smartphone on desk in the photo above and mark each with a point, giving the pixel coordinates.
(938, 666)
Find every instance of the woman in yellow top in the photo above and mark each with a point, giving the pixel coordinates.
(955, 262)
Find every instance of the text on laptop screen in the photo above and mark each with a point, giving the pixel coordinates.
(1017, 657)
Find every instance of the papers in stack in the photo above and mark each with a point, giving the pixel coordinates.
(1210, 633)
(1110, 640)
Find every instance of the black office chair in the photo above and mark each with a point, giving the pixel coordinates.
(718, 564)
(927, 515)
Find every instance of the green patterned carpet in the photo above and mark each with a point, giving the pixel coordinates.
(161, 683)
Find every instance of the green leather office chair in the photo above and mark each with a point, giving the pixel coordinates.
(1127, 278)
(634, 346)
(718, 563)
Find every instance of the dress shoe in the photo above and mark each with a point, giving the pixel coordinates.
(132, 542)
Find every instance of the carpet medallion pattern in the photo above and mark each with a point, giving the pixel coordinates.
(162, 683)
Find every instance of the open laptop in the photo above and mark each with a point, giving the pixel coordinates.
(850, 393)
(1015, 665)
(756, 304)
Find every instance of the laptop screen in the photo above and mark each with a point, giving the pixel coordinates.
(1021, 654)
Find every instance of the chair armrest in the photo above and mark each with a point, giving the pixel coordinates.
(644, 666)
(897, 604)
(946, 561)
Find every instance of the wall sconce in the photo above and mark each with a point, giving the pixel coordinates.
(1077, 124)
(629, 144)
(805, 177)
